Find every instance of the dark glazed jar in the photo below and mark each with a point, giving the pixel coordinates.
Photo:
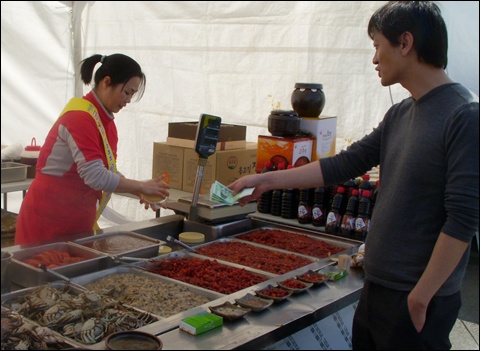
(283, 123)
(308, 99)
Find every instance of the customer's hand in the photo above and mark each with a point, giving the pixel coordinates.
(249, 181)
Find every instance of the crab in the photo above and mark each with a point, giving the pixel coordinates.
(92, 331)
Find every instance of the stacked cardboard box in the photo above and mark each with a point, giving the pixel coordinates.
(234, 157)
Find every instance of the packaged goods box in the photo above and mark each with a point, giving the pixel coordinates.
(291, 151)
(324, 131)
(168, 158)
(225, 166)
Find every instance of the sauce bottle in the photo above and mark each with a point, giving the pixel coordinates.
(264, 202)
(318, 210)
(334, 217)
(362, 223)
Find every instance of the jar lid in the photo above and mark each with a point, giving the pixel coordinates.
(308, 86)
(287, 113)
(33, 146)
(163, 249)
(191, 237)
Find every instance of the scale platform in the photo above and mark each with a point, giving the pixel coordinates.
(211, 211)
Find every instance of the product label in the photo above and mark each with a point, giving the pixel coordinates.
(361, 225)
(331, 218)
(317, 212)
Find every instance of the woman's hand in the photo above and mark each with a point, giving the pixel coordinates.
(155, 192)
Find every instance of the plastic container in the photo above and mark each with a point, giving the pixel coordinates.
(283, 123)
(191, 237)
(29, 156)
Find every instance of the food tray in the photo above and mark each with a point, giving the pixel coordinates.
(287, 284)
(160, 297)
(229, 311)
(26, 275)
(193, 278)
(344, 243)
(9, 222)
(122, 244)
(93, 305)
(269, 260)
(13, 172)
(13, 332)
(255, 303)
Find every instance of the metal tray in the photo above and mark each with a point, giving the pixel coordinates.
(26, 275)
(146, 265)
(9, 301)
(150, 249)
(84, 280)
(13, 172)
(264, 247)
(345, 243)
(53, 340)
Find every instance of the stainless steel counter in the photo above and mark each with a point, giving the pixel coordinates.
(255, 330)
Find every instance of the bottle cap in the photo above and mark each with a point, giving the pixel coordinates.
(340, 189)
(366, 177)
(355, 192)
(366, 193)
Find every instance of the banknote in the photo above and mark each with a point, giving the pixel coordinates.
(220, 193)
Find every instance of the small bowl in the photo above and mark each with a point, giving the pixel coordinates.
(133, 340)
(266, 293)
(229, 311)
(295, 285)
(255, 303)
(313, 277)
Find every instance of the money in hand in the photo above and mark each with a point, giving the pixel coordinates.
(220, 193)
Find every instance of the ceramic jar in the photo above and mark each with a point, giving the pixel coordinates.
(283, 123)
(308, 99)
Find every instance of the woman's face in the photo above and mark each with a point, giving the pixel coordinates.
(117, 97)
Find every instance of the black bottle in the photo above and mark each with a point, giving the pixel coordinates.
(347, 227)
(289, 204)
(318, 210)
(362, 223)
(365, 184)
(305, 207)
(334, 217)
(264, 202)
(276, 208)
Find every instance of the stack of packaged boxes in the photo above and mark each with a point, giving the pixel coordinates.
(234, 157)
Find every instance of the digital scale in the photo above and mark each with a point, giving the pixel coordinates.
(199, 207)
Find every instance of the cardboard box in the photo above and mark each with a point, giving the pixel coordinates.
(188, 130)
(324, 129)
(225, 166)
(168, 158)
(291, 151)
(221, 145)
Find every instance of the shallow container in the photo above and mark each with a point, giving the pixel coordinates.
(124, 243)
(25, 275)
(13, 172)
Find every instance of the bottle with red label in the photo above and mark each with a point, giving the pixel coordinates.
(334, 217)
(362, 222)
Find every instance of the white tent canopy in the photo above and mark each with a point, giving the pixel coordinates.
(235, 59)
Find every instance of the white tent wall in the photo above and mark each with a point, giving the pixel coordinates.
(235, 59)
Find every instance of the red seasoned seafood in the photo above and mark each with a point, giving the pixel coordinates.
(295, 242)
(272, 261)
(207, 274)
(52, 259)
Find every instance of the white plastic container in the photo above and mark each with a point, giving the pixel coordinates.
(29, 156)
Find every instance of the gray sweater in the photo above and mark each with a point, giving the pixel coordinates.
(428, 152)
